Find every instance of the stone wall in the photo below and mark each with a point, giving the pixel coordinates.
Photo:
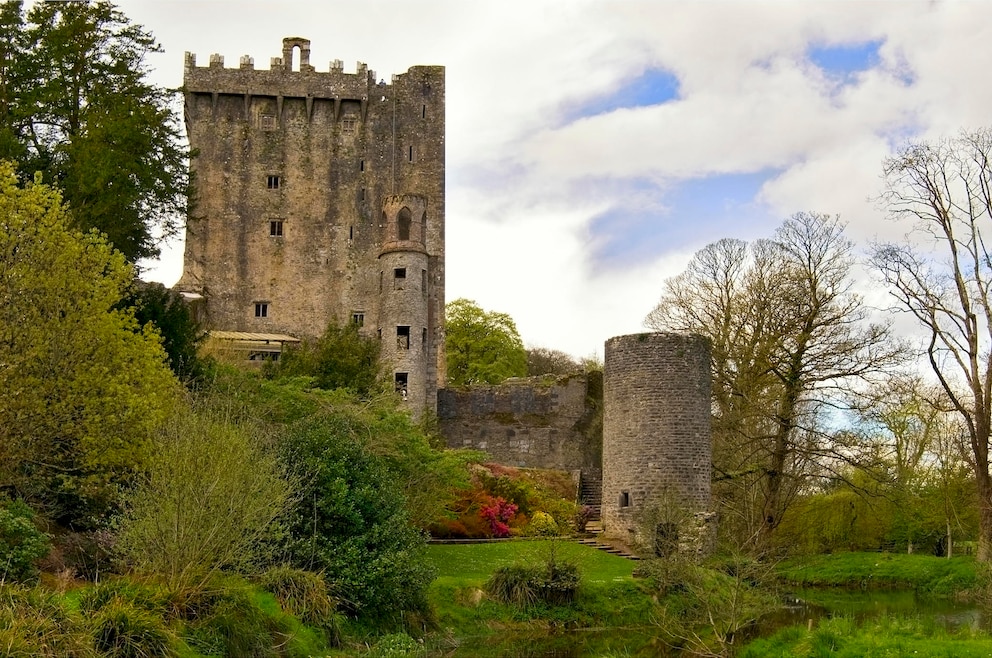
(539, 422)
(656, 427)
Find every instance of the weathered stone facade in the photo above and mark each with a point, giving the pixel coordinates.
(535, 423)
(321, 198)
(657, 443)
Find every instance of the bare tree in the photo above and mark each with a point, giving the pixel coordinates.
(944, 190)
(787, 334)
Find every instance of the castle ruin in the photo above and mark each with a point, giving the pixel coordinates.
(320, 198)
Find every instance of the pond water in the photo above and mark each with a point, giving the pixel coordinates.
(800, 607)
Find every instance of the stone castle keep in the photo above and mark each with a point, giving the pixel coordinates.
(321, 199)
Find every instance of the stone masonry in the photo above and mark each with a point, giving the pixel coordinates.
(656, 427)
(320, 197)
(537, 422)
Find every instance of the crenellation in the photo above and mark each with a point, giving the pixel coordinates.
(247, 62)
(216, 61)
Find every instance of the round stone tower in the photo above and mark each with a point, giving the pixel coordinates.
(656, 430)
(403, 289)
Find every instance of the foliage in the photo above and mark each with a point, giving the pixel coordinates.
(554, 582)
(37, 623)
(21, 543)
(532, 491)
(341, 358)
(545, 361)
(172, 317)
(942, 191)
(305, 594)
(396, 644)
(350, 522)
(844, 637)
(788, 333)
(75, 105)
(209, 497)
(497, 512)
(82, 388)
(482, 346)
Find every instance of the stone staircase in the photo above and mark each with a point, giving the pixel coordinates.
(593, 542)
(591, 491)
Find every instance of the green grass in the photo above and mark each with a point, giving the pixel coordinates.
(469, 564)
(887, 636)
(922, 573)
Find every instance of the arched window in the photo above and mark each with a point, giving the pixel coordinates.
(403, 223)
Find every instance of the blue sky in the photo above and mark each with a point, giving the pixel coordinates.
(594, 145)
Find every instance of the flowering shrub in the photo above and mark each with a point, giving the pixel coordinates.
(498, 513)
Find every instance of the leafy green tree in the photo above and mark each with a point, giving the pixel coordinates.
(175, 321)
(75, 105)
(82, 386)
(341, 358)
(482, 346)
(351, 522)
(206, 501)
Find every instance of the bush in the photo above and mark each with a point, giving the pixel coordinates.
(398, 644)
(21, 543)
(122, 629)
(542, 524)
(351, 523)
(555, 582)
(305, 594)
(210, 496)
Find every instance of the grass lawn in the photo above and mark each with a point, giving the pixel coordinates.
(924, 574)
(472, 564)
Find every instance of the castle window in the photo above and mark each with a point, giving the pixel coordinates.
(275, 228)
(402, 338)
(423, 281)
(351, 232)
(423, 112)
(423, 337)
(358, 318)
(348, 124)
(399, 278)
(261, 309)
(363, 194)
(423, 229)
(403, 224)
(361, 165)
(624, 499)
(273, 182)
(411, 154)
(380, 282)
(400, 380)
(267, 122)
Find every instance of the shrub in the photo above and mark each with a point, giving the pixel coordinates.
(122, 629)
(542, 524)
(555, 582)
(21, 543)
(397, 644)
(497, 513)
(305, 594)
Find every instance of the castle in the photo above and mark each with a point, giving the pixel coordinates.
(320, 198)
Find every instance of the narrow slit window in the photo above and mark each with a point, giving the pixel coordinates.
(361, 165)
(423, 336)
(273, 182)
(423, 281)
(411, 154)
(275, 228)
(402, 338)
(380, 282)
(351, 232)
(261, 309)
(423, 111)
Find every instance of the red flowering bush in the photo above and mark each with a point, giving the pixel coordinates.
(498, 513)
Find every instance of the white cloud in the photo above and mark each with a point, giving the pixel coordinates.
(524, 186)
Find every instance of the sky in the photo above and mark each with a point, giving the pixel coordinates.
(594, 145)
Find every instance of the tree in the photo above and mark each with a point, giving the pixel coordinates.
(544, 361)
(74, 105)
(787, 334)
(943, 191)
(82, 386)
(175, 321)
(341, 358)
(482, 346)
